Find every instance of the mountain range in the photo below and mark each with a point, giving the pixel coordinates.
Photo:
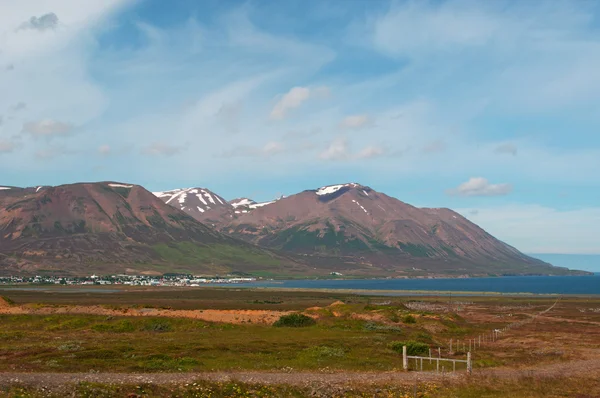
(113, 227)
(347, 229)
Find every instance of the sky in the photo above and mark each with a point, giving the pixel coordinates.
(489, 108)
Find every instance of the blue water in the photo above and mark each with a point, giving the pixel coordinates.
(579, 285)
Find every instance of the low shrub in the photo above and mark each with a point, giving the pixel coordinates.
(412, 347)
(117, 327)
(295, 321)
(157, 325)
(377, 327)
(422, 337)
(71, 346)
(325, 352)
(409, 319)
(7, 300)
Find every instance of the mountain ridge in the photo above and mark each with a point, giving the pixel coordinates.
(85, 225)
(347, 228)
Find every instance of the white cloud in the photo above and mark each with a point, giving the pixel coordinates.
(291, 100)
(104, 150)
(435, 147)
(530, 58)
(370, 152)
(18, 107)
(44, 22)
(338, 149)
(420, 26)
(54, 152)
(229, 115)
(355, 122)
(269, 149)
(479, 186)
(47, 128)
(161, 149)
(295, 98)
(541, 229)
(7, 146)
(507, 148)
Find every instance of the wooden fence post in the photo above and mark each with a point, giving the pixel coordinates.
(479, 341)
(430, 356)
(437, 367)
(404, 358)
(439, 352)
(469, 364)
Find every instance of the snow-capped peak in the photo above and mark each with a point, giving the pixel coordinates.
(243, 202)
(192, 200)
(334, 188)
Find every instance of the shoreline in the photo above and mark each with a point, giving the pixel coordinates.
(359, 292)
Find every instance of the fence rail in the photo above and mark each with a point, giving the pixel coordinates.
(419, 361)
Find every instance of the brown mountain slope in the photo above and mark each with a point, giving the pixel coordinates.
(361, 226)
(114, 227)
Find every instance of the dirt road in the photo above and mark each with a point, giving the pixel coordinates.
(589, 368)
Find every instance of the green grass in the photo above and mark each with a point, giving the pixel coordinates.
(217, 254)
(356, 335)
(81, 343)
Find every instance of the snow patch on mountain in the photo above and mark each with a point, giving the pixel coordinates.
(114, 186)
(3, 188)
(242, 202)
(195, 201)
(334, 188)
(361, 206)
(257, 205)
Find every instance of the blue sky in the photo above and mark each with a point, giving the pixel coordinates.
(489, 108)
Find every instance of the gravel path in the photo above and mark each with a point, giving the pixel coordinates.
(292, 378)
(586, 368)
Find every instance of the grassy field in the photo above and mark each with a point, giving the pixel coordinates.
(352, 333)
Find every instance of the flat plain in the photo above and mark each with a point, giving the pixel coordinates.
(222, 342)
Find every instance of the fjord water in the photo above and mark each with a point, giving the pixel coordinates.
(579, 285)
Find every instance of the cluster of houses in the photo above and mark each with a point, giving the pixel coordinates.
(133, 280)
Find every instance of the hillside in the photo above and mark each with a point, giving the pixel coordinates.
(115, 227)
(354, 225)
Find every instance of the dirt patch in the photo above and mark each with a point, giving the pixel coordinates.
(224, 316)
(336, 303)
(371, 317)
(4, 303)
(311, 309)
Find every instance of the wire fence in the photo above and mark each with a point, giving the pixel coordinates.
(438, 364)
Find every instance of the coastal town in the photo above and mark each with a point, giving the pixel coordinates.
(132, 280)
